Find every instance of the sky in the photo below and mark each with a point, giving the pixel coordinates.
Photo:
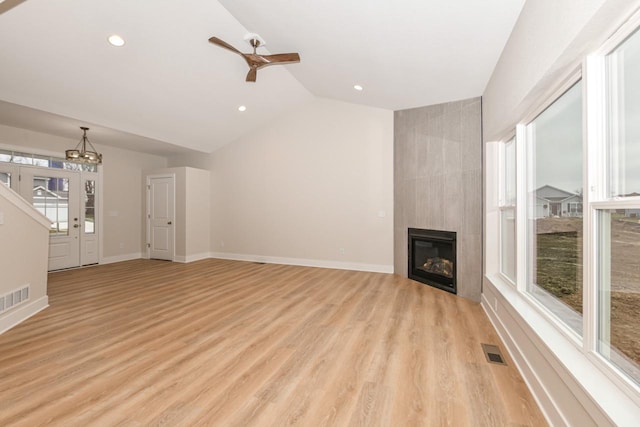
(558, 138)
(558, 130)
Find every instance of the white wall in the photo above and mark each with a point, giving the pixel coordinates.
(198, 208)
(122, 204)
(315, 187)
(192, 212)
(548, 43)
(24, 248)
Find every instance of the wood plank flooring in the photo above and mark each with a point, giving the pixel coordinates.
(228, 343)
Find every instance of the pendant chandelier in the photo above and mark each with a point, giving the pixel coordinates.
(80, 153)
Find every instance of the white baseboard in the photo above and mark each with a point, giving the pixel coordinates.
(339, 265)
(540, 394)
(120, 258)
(22, 313)
(568, 384)
(191, 258)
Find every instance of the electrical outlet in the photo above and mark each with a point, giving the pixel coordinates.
(341, 251)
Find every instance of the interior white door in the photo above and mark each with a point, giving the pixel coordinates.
(161, 208)
(56, 194)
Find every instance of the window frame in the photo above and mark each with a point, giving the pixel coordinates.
(503, 205)
(601, 379)
(598, 113)
(524, 181)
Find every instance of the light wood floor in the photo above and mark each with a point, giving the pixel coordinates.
(236, 344)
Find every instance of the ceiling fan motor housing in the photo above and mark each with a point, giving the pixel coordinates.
(254, 40)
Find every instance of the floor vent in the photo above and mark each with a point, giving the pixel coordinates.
(14, 298)
(493, 354)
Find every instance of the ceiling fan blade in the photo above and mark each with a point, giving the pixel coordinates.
(281, 58)
(224, 44)
(252, 74)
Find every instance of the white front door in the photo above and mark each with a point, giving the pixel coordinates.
(56, 194)
(160, 216)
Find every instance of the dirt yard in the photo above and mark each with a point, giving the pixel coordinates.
(560, 272)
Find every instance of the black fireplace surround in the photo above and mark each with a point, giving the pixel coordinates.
(432, 258)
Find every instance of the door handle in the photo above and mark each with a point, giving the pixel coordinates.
(169, 223)
(76, 225)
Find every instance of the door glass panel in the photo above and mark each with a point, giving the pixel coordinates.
(89, 206)
(5, 178)
(619, 289)
(51, 198)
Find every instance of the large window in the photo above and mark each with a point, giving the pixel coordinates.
(554, 208)
(618, 214)
(573, 249)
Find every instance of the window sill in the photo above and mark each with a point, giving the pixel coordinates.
(587, 378)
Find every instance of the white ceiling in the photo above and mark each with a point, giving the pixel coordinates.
(168, 84)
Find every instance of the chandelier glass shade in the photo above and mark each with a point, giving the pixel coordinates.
(81, 154)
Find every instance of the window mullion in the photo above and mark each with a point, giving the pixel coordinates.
(521, 207)
(595, 187)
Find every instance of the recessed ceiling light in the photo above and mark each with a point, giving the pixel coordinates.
(358, 87)
(242, 108)
(116, 40)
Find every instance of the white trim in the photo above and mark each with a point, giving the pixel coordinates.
(553, 94)
(22, 313)
(120, 258)
(339, 265)
(191, 258)
(552, 358)
(626, 203)
(620, 35)
(147, 237)
(548, 406)
(26, 207)
(101, 208)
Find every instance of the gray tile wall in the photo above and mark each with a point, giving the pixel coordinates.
(438, 182)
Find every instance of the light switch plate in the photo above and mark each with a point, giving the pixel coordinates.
(1, 218)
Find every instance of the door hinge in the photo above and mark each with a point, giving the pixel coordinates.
(148, 245)
(149, 216)
(148, 187)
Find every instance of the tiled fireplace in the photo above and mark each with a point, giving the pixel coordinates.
(438, 186)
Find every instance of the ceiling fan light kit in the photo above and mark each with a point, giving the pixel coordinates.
(255, 60)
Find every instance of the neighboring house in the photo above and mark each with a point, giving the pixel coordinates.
(52, 204)
(629, 213)
(554, 202)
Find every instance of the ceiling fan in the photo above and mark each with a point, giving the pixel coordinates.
(255, 60)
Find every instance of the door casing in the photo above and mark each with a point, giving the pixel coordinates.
(161, 216)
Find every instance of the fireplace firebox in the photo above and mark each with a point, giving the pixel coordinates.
(432, 258)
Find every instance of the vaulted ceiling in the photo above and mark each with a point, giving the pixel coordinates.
(168, 89)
